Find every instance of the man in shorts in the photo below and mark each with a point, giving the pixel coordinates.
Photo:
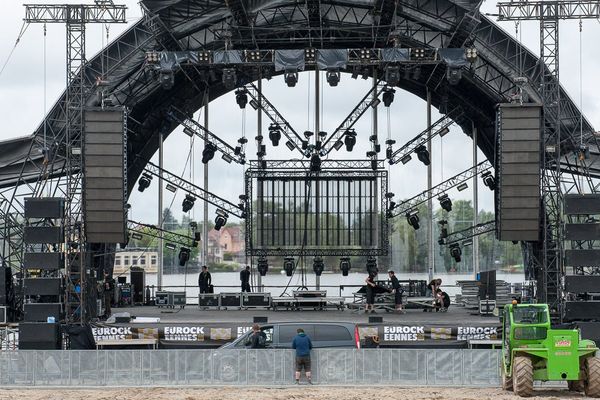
(303, 345)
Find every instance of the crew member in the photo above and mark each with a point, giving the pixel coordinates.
(432, 288)
(109, 292)
(204, 280)
(370, 293)
(258, 339)
(245, 278)
(397, 289)
(303, 345)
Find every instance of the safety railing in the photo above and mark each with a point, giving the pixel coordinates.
(403, 367)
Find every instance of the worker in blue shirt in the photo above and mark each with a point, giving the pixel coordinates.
(303, 345)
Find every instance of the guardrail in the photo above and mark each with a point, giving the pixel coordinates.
(402, 367)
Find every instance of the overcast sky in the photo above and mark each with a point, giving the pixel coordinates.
(22, 103)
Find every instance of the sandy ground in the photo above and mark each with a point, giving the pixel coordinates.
(277, 393)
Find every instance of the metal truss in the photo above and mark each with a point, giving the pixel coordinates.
(194, 190)
(549, 14)
(325, 164)
(308, 252)
(156, 232)
(425, 136)
(191, 127)
(410, 204)
(75, 13)
(469, 233)
(260, 101)
(369, 100)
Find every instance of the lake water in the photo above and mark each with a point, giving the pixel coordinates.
(230, 281)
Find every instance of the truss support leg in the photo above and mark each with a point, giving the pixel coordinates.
(161, 244)
(430, 241)
(475, 204)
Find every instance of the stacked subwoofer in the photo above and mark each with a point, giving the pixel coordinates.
(43, 284)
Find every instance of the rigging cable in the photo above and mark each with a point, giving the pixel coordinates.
(21, 33)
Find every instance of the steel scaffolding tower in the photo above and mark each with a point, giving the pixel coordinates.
(549, 13)
(75, 16)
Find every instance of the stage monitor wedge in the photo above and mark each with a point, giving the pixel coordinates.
(105, 175)
(518, 165)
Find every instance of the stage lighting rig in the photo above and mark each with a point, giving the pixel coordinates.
(392, 75)
(263, 266)
(372, 266)
(455, 252)
(355, 72)
(350, 139)
(445, 202)
(315, 163)
(274, 134)
(372, 155)
(412, 217)
(318, 266)
(144, 182)
(423, 154)
(291, 77)
(290, 145)
(471, 54)
(388, 96)
(166, 77)
(241, 97)
(389, 152)
(288, 266)
(345, 265)
(453, 75)
(221, 219)
(208, 153)
(229, 78)
(489, 180)
(188, 203)
(333, 77)
(443, 231)
(184, 256)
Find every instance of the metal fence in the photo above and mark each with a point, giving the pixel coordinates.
(406, 367)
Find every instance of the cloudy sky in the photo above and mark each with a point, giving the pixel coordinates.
(22, 105)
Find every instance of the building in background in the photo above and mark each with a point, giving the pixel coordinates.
(226, 245)
(125, 259)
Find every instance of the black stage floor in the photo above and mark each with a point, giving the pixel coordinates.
(192, 314)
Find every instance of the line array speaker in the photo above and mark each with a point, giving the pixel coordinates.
(582, 283)
(581, 204)
(39, 312)
(42, 286)
(39, 336)
(582, 258)
(105, 175)
(48, 207)
(518, 172)
(43, 234)
(51, 261)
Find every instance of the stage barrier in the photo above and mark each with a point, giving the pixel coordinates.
(419, 367)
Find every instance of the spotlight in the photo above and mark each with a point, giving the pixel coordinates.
(442, 132)
(355, 72)
(291, 77)
(417, 53)
(389, 152)
(229, 78)
(274, 134)
(445, 202)
(166, 79)
(315, 163)
(241, 98)
(263, 266)
(188, 131)
(365, 73)
(392, 75)
(290, 145)
(152, 57)
(471, 54)
(406, 159)
(184, 256)
(443, 231)
(350, 139)
(372, 266)
(345, 265)
(455, 252)
(208, 153)
(188, 203)
(288, 266)
(221, 219)
(333, 77)
(423, 154)
(310, 55)
(462, 186)
(338, 145)
(413, 219)
(144, 182)
(453, 75)
(227, 158)
(318, 266)
(489, 180)
(388, 96)
(137, 236)
(170, 246)
(308, 134)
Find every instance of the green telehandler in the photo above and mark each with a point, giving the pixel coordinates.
(532, 351)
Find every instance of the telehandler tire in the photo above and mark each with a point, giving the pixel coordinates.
(523, 376)
(592, 377)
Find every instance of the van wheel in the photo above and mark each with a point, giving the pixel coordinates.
(592, 377)
(523, 376)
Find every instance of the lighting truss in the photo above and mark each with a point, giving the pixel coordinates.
(405, 206)
(325, 164)
(528, 10)
(367, 101)
(75, 13)
(470, 232)
(194, 190)
(189, 125)
(425, 136)
(155, 232)
(258, 100)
